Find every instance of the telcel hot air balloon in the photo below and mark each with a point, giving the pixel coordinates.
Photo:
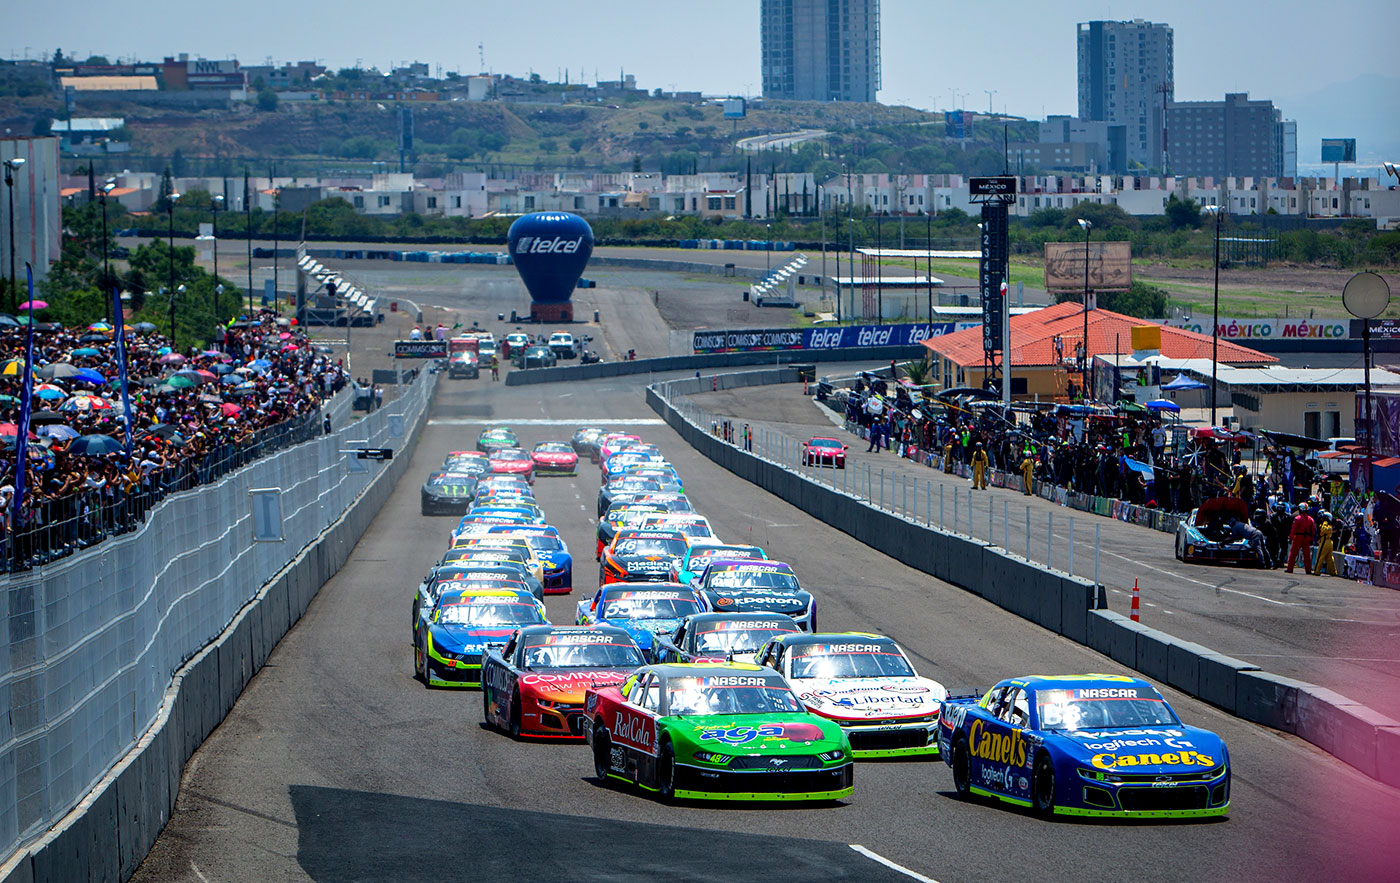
(550, 250)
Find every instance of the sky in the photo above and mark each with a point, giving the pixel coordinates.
(1286, 50)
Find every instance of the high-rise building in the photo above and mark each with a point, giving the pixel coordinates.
(1235, 137)
(1125, 78)
(821, 50)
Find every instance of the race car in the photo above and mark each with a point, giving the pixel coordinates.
(464, 364)
(748, 586)
(625, 487)
(585, 441)
(640, 610)
(507, 508)
(641, 556)
(494, 482)
(473, 463)
(534, 686)
(509, 544)
(620, 517)
(513, 461)
(495, 437)
(721, 637)
(820, 451)
(613, 442)
(554, 458)
(1084, 745)
(866, 684)
(715, 732)
(695, 527)
(499, 560)
(549, 548)
(447, 492)
(624, 461)
(1204, 535)
(466, 575)
(450, 637)
(665, 473)
(697, 557)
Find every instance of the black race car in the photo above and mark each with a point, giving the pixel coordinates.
(448, 493)
(585, 441)
(749, 586)
(627, 484)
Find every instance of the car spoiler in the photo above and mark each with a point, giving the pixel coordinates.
(958, 697)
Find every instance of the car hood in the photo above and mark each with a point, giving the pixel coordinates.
(641, 630)
(758, 600)
(448, 490)
(569, 684)
(645, 563)
(870, 698)
(1145, 750)
(776, 734)
(459, 637)
(555, 560)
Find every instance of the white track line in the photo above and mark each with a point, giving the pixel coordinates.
(876, 857)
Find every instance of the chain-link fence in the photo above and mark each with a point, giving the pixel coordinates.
(89, 643)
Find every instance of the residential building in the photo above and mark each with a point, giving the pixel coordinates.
(821, 50)
(1125, 78)
(1234, 137)
(37, 195)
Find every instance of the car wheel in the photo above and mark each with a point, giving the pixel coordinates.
(602, 753)
(515, 718)
(422, 660)
(1179, 556)
(486, 708)
(962, 769)
(1043, 785)
(666, 772)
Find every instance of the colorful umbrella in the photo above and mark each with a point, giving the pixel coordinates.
(260, 364)
(285, 335)
(230, 410)
(99, 326)
(171, 359)
(12, 430)
(195, 377)
(34, 305)
(12, 368)
(207, 375)
(85, 403)
(48, 392)
(290, 346)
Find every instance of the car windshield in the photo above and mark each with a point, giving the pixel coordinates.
(450, 480)
(489, 613)
(697, 557)
(857, 658)
(649, 605)
(542, 543)
(689, 528)
(752, 578)
(553, 448)
(510, 455)
(824, 443)
(609, 652)
(670, 547)
(730, 694)
(1103, 708)
(735, 637)
(623, 485)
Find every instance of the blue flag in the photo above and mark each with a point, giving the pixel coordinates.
(26, 399)
(121, 367)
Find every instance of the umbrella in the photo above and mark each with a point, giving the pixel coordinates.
(1181, 381)
(12, 430)
(39, 418)
(57, 432)
(85, 403)
(145, 327)
(167, 431)
(230, 410)
(93, 338)
(49, 393)
(290, 346)
(245, 388)
(171, 359)
(285, 335)
(180, 381)
(195, 377)
(207, 375)
(1163, 405)
(99, 326)
(1139, 466)
(12, 368)
(214, 353)
(165, 389)
(260, 364)
(230, 379)
(8, 321)
(93, 445)
(221, 368)
(59, 371)
(86, 351)
(164, 351)
(48, 326)
(8, 400)
(34, 305)
(87, 375)
(210, 399)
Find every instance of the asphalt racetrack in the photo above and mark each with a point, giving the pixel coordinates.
(336, 765)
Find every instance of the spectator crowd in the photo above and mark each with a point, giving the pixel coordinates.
(196, 414)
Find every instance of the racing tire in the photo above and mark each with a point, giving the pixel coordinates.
(514, 725)
(1179, 555)
(602, 753)
(421, 658)
(962, 769)
(486, 709)
(666, 772)
(1043, 786)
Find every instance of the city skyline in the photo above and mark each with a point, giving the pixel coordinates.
(1028, 60)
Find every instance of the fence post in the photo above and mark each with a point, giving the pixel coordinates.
(940, 505)
(1096, 563)
(882, 488)
(928, 503)
(955, 509)
(1006, 526)
(1049, 538)
(969, 512)
(1071, 546)
(991, 534)
(1028, 533)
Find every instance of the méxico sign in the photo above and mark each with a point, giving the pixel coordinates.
(1270, 329)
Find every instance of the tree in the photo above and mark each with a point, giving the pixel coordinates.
(167, 187)
(97, 59)
(1183, 213)
(1141, 300)
(267, 101)
(576, 144)
(636, 162)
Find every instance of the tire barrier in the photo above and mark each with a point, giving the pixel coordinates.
(107, 835)
(1065, 605)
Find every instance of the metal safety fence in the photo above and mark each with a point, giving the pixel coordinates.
(89, 642)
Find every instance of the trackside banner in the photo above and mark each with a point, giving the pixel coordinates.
(828, 338)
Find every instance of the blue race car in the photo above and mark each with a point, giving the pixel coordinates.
(550, 548)
(450, 638)
(643, 610)
(1084, 745)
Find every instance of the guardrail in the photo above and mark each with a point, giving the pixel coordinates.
(122, 659)
(568, 373)
(1065, 604)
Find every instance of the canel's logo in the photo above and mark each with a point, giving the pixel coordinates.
(538, 245)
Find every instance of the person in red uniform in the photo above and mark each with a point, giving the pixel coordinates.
(1300, 537)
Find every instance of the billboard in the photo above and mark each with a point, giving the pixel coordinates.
(1339, 150)
(992, 272)
(1245, 330)
(420, 349)
(735, 108)
(825, 338)
(1110, 266)
(550, 250)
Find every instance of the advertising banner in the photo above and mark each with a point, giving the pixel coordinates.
(1271, 329)
(828, 338)
(1110, 266)
(420, 349)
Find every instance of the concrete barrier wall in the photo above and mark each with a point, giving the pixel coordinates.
(1066, 605)
(107, 836)
(567, 373)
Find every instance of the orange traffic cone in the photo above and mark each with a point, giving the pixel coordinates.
(1134, 615)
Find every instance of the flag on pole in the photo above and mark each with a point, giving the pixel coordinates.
(121, 367)
(26, 398)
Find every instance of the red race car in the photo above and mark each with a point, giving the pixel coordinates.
(824, 452)
(555, 458)
(534, 686)
(513, 461)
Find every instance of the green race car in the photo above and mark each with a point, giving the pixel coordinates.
(728, 731)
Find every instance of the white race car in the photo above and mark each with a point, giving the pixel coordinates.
(866, 684)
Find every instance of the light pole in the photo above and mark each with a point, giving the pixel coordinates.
(214, 204)
(170, 210)
(11, 166)
(1216, 210)
(107, 187)
(1366, 296)
(1084, 361)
